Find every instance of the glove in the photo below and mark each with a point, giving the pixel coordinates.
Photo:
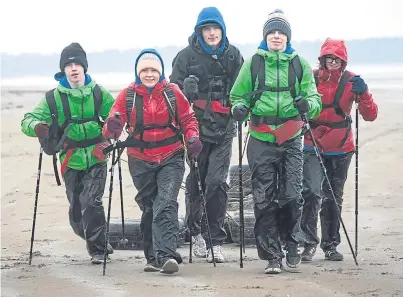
(359, 85)
(240, 112)
(42, 130)
(301, 104)
(114, 126)
(190, 86)
(194, 147)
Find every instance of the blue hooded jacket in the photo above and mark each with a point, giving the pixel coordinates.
(152, 51)
(288, 49)
(211, 15)
(62, 79)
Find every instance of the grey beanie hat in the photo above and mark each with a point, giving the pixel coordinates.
(277, 22)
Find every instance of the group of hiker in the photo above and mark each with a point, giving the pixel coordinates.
(192, 118)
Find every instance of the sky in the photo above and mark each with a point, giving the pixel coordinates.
(47, 26)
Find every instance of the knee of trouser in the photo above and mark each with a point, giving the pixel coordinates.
(216, 184)
(311, 189)
(165, 209)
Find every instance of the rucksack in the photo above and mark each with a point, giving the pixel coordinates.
(258, 73)
(58, 134)
(346, 123)
(134, 99)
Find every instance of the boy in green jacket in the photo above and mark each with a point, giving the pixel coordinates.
(78, 106)
(272, 90)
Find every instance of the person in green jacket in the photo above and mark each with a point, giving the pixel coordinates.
(84, 167)
(272, 94)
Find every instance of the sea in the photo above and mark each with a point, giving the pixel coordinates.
(379, 76)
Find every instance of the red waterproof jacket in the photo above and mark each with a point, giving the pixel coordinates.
(332, 140)
(156, 115)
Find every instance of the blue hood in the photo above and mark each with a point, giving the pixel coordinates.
(211, 15)
(62, 79)
(288, 49)
(152, 51)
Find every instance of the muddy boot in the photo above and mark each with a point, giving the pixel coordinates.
(151, 267)
(293, 257)
(274, 266)
(170, 266)
(110, 249)
(218, 255)
(199, 246)
(99, 259)
(308, 253)
(333, 255)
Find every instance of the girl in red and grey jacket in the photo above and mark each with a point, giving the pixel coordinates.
(332, 130)
(161, 119)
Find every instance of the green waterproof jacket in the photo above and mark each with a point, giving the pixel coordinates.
(81, 104)
(276, 104)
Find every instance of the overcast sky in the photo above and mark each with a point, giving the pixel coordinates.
(46, 26)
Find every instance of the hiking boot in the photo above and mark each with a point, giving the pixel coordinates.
(151, 267)
(199, 246)
(274, 266)
(218, 256)
(333, 255)
(110, 249)
(293, 257)
(170, 266)
(99, 259)
(308, 253)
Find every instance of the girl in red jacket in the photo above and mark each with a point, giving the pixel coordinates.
(333, 133)
(158, 118)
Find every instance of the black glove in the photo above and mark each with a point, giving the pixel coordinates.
(359, 86)
(301, 104)
(42, 130)
(240, 112)
(190, 87)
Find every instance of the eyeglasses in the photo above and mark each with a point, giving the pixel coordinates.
(330, 59)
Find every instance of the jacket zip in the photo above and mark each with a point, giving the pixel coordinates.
(85, 131)
(278, 86)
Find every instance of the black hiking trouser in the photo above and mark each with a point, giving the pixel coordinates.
(158, 187)
(84, 189)
(318, 198)
(213, 162)
(267, 162)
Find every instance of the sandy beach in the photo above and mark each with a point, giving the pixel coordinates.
(61, 266)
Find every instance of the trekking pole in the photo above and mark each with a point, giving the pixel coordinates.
(190, 218)
(196, 169)
(308, 127)
(38, 180)
(241, 221)
(356, 174)
(123, 241)
(110, 200)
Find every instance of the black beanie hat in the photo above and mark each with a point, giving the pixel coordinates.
(277, 21)
(73, 53)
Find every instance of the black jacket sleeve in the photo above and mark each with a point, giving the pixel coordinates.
(179, 69)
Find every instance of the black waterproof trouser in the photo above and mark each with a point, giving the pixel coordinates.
(267, 162)
(158, 187)
(317, 196)
(214, 162)
(84, 189)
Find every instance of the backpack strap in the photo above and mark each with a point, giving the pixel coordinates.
(129, 105)
(97, 93)
(257, 71)
(316, 77)
(339, 92)
(171, 102)
(66, 109)
(294, 73)
(139, 126)
(54, 128)
(170, 98)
